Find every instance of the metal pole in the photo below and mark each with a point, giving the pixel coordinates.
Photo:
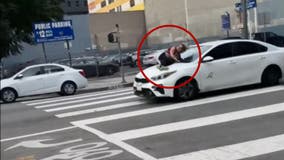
(245, 19)
(120, 53)
(44, 52)
(186, 14)
(255, 20)
(68, 52)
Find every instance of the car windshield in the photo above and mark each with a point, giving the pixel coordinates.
(191, 54)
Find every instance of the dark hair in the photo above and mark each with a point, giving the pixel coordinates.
(183, 47)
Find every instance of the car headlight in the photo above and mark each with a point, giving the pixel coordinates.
(162, 76)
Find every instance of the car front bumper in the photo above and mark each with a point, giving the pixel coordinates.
(147, 89)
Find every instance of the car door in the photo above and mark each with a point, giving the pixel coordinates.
(218, 73)
(51, 79)
(31, 83)
(249, 59)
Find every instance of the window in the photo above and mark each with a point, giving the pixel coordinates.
(118, 9)
(68, 3)
(77, 3)
(191, 54)
(33, 72)
(110, 1)
(132, 3)
(245, 48)
(103, 4)
(221, 52)
(53, 69)
(86, 3)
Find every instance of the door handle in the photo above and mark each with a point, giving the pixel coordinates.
(262, 58)
(232, 62)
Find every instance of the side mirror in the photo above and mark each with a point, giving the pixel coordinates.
(20, 76)
(207, 59)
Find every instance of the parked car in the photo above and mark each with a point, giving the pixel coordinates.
(41, 79)
(153, 58)
(126, 59)
(90, 64)
(269, 37)
(225, 64)
(143, 53)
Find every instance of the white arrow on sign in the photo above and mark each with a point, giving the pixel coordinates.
(39, 144)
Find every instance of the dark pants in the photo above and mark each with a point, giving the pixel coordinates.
(165, 60)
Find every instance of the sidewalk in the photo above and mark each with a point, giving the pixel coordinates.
(107, 83)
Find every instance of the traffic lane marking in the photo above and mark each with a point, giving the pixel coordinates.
(212, 136)
(37, 134)
(183, 114)
(177, 106)
(236, 151)
(78, 96)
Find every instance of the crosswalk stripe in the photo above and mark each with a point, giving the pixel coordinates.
(59, 99)
(237, 151)
(116, 106)
(91, 103)
(199, 122)
(82, 100)
(179, 105)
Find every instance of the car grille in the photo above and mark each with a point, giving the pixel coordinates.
(141, 80)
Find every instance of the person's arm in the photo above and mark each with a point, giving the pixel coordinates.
(172, 54)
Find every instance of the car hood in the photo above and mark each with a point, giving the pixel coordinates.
(157, 70)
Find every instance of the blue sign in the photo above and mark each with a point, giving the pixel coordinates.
(226, 22)
(250, 4)
(53, 31)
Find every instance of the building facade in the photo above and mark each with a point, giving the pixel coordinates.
(105, 6)
(75, 6)
(203, 18)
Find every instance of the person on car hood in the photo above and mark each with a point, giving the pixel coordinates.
(172, 55)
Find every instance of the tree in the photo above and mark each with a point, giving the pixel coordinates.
(16, 19)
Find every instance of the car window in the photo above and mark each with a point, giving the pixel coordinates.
(33, 72)
(191, 54)
(53, 69)
(245, 48)
(221, 51)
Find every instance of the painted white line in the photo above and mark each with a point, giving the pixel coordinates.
(82, 100)
(236, 151)
(91, 103)
(199, 122)
(121, 144)
(180, 105)
(37, 134)
(116, 106)
(59, 99)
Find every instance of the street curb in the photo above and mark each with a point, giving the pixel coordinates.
(112, 87)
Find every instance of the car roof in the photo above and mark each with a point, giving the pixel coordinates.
(218, 42)
(46, 64)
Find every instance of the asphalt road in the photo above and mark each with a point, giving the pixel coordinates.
(243, 123)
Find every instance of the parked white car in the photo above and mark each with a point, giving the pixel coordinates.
(225, 64)
(41, 79)
(153, 58)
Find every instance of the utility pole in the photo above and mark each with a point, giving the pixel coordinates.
(245, 19)
(120, 53)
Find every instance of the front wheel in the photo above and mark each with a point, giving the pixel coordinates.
(271, 77)
(186, 92)
(8, 95)
(68, 88)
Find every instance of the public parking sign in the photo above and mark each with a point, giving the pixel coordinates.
(53, 31)
(226, 22)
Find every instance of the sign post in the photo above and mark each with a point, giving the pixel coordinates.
(120, 53)
(52, 32)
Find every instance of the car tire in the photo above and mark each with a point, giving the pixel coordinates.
(271, 77)
(186, 92)
(68, 88)
(8, 95)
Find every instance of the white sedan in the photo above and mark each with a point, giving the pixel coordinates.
(41, 79)
(153, 58)
(225, 64)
